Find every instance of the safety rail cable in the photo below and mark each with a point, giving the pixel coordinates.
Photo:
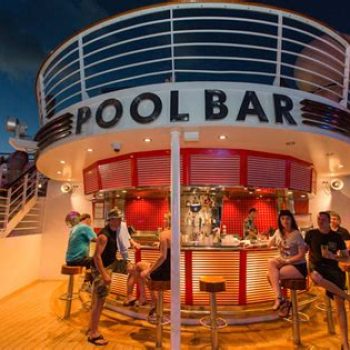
(285, 33)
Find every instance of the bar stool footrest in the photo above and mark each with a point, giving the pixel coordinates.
(323, 307)
(303, 317)
(64, 296)
(206, 322)
(154, 320)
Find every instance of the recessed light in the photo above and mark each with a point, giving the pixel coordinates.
(118, 195)
(59, 172)
(124, 191)
(258, 190)
(62, 162)
(138, 197)
(90, 150)
(290, 192)
(251, 192)
(340, 166)
(147, 139)
(222, 137)
(303, 196)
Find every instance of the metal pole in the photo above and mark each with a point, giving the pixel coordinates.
(69, 297)
(159, 336)
(295, 318)
(330, 321)
(213, 316)
(175, 242)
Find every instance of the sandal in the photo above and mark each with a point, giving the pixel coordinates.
(129, 302)
(279, 301)
(285, 309)
(98, 341)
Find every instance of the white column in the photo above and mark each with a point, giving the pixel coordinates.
(175, 242)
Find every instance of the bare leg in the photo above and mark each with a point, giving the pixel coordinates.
(274, 276)
(343, 324)
(328, 285)
(96, 310)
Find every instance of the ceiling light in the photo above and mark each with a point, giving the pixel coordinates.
(258, 190)
(222, 137)
(303, 196)
(138, 197)
(124, 191)
(59, 172)
(290, 192)
(62, 162)
(147, 139)
(340, 166)
(90, 150)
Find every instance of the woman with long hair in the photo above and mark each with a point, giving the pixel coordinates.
(290, 263)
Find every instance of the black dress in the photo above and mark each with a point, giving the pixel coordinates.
(162, 273)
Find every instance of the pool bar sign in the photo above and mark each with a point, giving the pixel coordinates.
(122, 110)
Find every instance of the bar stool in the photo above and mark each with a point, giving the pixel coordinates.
(294, 285)
(160, 287)
(213, 285)
(70, 271)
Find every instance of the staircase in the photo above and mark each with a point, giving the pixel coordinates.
(31, 222)
(20, 209)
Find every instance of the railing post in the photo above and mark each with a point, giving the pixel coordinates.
(25, 188)
(7, 208)
(277, 81)
(84, 95)
(37, 182)
(173, 78)
(344, 101)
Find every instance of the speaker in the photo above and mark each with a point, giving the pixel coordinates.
(66, 187)
(337, 184)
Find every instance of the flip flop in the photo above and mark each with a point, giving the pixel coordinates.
(97, 340)
(130, 302)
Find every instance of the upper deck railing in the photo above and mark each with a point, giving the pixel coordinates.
(196, 42)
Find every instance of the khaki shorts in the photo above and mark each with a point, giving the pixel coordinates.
(99, 287)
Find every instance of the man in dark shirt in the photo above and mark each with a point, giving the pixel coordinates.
(104, 257)
(324, 245)
(335, 226)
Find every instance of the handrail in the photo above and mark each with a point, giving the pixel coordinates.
(20, 192)
(12, 183)
(156, 36)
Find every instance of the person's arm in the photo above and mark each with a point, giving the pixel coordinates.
(100, 247)
(134, 244)
(272, 241)
(91, 234)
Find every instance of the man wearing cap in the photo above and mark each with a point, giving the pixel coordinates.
(104, 257)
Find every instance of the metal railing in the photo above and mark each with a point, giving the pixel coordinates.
(14, 198)
(196, 42)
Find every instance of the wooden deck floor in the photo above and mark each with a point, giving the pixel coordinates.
(29, 319)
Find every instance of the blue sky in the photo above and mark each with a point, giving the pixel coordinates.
(29, 29)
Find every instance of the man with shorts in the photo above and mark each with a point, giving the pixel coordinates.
(104, 257)
(326, 248)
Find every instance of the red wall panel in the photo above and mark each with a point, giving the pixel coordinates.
(116, 174)
(235, 211)
(300, 177)
(266, 172)
(208, 169)
(146, 214)
(91, 181)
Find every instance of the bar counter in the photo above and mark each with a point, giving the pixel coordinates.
(243, 268)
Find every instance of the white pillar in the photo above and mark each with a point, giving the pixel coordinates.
(175, 242)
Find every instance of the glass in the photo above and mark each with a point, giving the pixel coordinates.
(324, 250)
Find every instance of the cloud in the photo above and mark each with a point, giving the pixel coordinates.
(20, 52)
(30, 29)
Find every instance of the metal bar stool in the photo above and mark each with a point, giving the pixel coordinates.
(294, 285)
(160, 287)
(213, 285)
(70, 271)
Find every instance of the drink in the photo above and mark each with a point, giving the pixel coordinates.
(324, 250)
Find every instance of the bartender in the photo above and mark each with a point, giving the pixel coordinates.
(250, 231)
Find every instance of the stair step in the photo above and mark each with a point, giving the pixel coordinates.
(28, 221)
(25, 228)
